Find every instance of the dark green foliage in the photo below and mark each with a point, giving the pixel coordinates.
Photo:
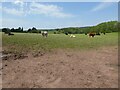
(6, 30)
(54, 32)
(39, 31)
(105, 27)
(17, 30)
(29, 30)
(33, 30)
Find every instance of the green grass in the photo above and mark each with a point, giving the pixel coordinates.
(35, 42)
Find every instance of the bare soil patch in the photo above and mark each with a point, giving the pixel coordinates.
(63, 69)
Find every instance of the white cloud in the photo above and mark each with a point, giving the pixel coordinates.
(36, 8)
(48, 10)
(15, 11)
(102, 5)
(18, 2)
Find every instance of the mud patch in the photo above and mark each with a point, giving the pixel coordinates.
(13, 56)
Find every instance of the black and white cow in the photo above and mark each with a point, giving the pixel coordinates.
(44, 33)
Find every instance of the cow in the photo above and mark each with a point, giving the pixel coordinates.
(85, 33)
(72, 36)
(97, 34)
(91, 34)
(66, 33)
(104, 33)
(44, 33)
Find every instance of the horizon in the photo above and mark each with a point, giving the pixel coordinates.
(53, 15)
(52, 28)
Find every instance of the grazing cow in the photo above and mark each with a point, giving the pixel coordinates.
(72, 36)
(104, 33)
(85, 33)
(91, 34)
(44, 33)
(66, 33)
(97, 33)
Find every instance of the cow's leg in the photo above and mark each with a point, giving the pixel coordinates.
(43, 34)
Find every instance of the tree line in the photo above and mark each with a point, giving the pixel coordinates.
(105, 27)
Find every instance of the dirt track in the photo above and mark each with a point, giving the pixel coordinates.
(64, 69)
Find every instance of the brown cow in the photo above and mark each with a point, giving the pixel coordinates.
(91, 34)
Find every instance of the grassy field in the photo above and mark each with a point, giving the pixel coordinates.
(35, 42)
(80, 62)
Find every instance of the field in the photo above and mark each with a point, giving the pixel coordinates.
(36, 42)
(60, 61)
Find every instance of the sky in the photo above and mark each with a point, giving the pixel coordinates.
(49, 15)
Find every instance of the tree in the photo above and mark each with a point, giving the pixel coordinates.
(6, 30)
(22, 29)
(29, 30)
(34, 28)
(12, 30)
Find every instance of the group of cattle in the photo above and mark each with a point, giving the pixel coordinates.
(91, 34)
(45, 34)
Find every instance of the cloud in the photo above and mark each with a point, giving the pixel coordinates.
(19, 11)
(20, 4)
(35, 8)
(17, 2)
(102, 5)
(48, 10)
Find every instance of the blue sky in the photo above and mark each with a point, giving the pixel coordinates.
(56, 14)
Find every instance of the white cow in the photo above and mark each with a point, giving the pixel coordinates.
(72, 36)
(44, 33)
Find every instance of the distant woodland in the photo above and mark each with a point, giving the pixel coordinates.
(105, 27)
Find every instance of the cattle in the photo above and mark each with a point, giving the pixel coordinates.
(85, 33)
(104, 33)
(72, 36)
(66, 33)
(91, 34)
(97, 33)
(44, 33)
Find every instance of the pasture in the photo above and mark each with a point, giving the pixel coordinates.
(59, 61)
(34, 42)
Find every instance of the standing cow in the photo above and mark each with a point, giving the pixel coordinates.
(91, 34)
(44, 33)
